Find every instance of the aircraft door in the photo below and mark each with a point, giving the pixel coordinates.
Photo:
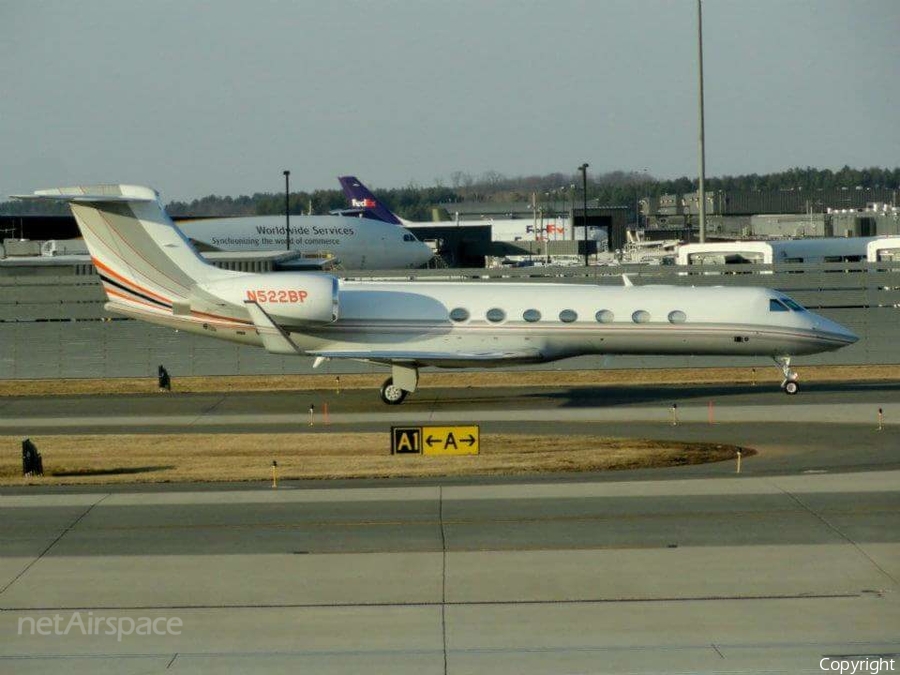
(384, 253)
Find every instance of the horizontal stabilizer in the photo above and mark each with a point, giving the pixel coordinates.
(94, 193)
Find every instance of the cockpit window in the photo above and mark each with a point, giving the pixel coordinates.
(776, 306)
(793, 305)
(408, 237)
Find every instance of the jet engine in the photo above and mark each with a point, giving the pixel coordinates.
(286, 297)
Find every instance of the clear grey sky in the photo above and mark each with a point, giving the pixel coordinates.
(196, 98)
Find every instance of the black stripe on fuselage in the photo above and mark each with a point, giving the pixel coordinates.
(125, 288)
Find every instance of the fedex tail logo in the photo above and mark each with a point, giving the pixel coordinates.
(360, 198)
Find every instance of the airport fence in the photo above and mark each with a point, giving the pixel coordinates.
(54, 325)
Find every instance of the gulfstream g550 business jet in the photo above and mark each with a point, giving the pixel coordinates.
(151, 272)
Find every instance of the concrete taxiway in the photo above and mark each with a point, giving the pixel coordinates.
(686, 569)
(737, 575)
(361, 409)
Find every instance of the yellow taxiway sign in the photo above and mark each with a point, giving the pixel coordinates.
(449, 440)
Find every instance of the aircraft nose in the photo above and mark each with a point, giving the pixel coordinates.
(850, 336)
(835, 330)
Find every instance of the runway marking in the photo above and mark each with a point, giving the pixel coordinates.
(52, 544)
(857, 414)
(450, 603)
(841, 534)
(443, 574)
(442, 523)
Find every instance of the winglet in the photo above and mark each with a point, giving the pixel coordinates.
(626, 281)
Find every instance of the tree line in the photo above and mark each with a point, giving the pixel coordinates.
(614, 188)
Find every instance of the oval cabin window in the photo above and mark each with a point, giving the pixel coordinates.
(605, 316)
(495, 315)
(677, 316)
(459, 314)
(641, 316)
(567, 316)
(531, 315)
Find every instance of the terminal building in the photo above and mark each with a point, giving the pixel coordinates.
(773, 214)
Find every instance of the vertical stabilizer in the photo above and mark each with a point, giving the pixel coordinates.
(361, 198)
(141, 256)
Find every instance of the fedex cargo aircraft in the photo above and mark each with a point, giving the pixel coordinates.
(357, 243)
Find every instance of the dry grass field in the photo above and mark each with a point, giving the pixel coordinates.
(248, 457)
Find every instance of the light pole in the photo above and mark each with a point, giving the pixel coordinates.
(637, 202)
(287, 208)
(701, 183)
(583, 169)
(572, 211)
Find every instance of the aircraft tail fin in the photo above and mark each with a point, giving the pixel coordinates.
(142, 258)
(360, 197)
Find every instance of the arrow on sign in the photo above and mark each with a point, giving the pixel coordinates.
(470, 440)
(431, 440)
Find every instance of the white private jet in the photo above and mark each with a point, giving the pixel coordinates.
(151, 272)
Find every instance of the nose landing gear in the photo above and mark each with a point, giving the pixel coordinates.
(789, 384)
(391, 393)
(404, 380)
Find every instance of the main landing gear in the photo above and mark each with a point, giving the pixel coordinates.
(789, 384)
(404, 380)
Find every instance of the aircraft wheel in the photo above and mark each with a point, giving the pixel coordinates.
(791, 387)
(390, 394)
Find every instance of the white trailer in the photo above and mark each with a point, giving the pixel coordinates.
(829, 249)
(883, 248)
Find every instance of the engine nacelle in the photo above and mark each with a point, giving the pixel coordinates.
(286, 297)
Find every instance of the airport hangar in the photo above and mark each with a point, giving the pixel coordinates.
(53, 325)
(478, 231)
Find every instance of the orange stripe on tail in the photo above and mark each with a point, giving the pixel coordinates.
(128, 282)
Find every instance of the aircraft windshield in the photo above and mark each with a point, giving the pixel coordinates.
(793, 305)
(782, 305)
